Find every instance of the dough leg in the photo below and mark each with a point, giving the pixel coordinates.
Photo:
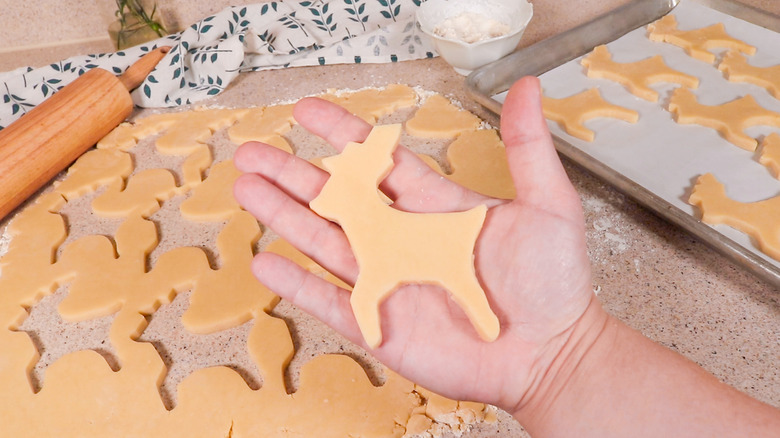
(365, 305)
(467, 292)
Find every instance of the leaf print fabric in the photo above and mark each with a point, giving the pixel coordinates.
(207, 56)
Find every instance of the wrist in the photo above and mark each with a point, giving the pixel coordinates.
(572, 357)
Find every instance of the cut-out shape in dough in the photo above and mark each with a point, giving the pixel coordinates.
(478, 162)
(93, 169)
(770, 153)
(697, 42)
(81, 393)
(373, 103)
(189, 133)
(126, 135)
(142, 195)
(259, 124)
(738, 69)
(425, 248)
(438, 117)
(757, 219)
(211, 309)
(213, 200)
(573, 111)
(635, 76)
(194, 165)
(729, 119)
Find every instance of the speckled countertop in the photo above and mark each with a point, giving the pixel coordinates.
(651, 274)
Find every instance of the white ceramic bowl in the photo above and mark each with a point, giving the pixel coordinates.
(465, 57)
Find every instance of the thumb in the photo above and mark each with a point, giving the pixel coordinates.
(537, 172)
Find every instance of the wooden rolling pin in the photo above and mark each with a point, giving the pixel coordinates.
(46, 140)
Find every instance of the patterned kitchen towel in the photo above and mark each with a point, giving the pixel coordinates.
(208, 55)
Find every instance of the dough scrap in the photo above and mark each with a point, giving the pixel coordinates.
(438, 117)
(478, 162)
(737, 69)
(189, 133)
(573, 111)
(213, 199)
(126, 135)
(193, 167)
(373, 103)
(110, 276)
(757, 219)
(260, 124)
(697, 43)
(729, 119)
(142, 195)
(95, 168)
(427, 241)
(636, 76)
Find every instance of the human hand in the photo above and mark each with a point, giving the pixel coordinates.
(530, 256)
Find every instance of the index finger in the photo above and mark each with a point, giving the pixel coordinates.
(338, 127)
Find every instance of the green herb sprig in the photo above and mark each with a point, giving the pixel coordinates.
(133, 17)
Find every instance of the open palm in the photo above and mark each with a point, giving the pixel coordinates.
(530, 256)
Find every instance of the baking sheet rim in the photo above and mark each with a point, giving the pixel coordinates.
(479, 85)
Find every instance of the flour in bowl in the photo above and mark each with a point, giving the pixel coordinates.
(471, 27)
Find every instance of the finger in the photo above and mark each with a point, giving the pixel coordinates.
(536, 169)
(412, 184)
(299, 178)
(330, 122)
(315, 296)
(316, 237)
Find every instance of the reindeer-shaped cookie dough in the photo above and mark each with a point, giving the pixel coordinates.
(393, 247)
(636, 76)
(758, 219)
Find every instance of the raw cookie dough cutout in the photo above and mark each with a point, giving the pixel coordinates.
(698, 42)
(738, 69)
(757, 219)
(729, 119)
(423, 246)
(81, 389)
(573, 111)
(770, 153)
(635, 76)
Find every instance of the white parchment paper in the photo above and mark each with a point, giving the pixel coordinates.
(656, 152)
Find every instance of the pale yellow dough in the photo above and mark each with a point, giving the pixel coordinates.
(757, 219)
(697, 42)
(770, 153)
(738, 69)
(424, 248)
(478, 161)
(372, 103)
(81, 395)
(438, 117)
(729, 119)
(572, 112)
(636, 76)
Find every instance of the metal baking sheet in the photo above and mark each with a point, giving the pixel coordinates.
(656, 160)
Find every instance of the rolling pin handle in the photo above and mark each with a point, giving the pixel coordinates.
(136, 73)
(49, 137)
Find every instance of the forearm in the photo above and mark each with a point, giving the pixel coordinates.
(612, 381)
